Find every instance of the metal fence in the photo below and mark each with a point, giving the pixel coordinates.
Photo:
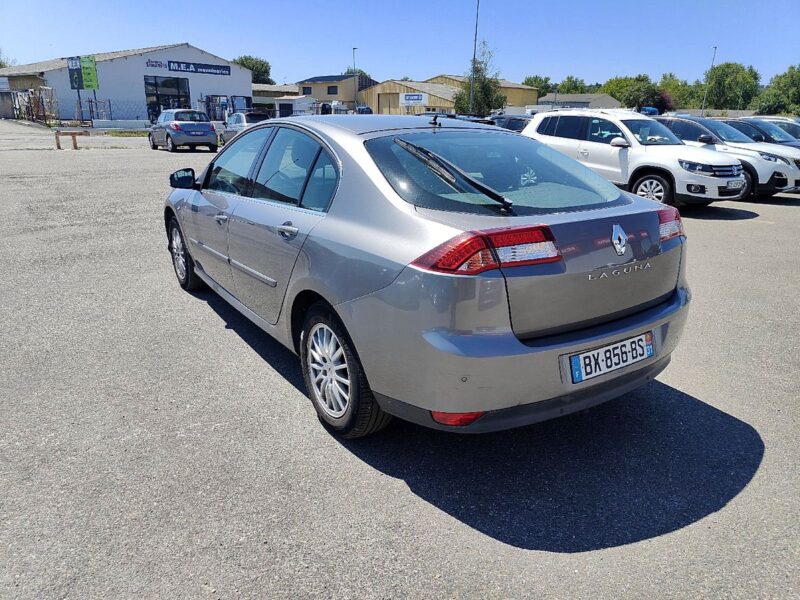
(39, 105)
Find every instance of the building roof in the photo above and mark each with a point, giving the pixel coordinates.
(364, 81)
(440, 90)
(503, 82)
(61, 63)
(593, 100)
(268, 87)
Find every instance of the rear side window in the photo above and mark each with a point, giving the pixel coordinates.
(230, 170)
(548, 126)
(570, 127)
(321, 184)
(537, 179)
(283, 173)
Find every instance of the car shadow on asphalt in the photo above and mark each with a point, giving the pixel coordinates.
(273, 353)
(777, 201)
(717, 213)
(648, 463)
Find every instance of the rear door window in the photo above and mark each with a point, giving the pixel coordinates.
(570, 127)
(282, 176)
(321, 184)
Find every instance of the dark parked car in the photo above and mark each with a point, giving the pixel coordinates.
(763, 131)
(513, 122)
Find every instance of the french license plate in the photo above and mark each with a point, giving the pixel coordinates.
(610, 358)
(201, 133)
(735, 184)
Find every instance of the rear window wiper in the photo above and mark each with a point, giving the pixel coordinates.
(450, 173)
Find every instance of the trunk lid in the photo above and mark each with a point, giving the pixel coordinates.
(593, 283)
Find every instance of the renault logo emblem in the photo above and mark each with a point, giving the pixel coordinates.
(620, 239)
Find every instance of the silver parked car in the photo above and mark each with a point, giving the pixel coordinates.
(183, 127)
(456, 275)
(236, 123)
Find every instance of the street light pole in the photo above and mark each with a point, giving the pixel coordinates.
(355, 83)
(708, 79)
(474, 55)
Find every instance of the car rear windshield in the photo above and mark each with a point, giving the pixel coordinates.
(537, 179)
(651, 133)
(191, 115)
(255, 118)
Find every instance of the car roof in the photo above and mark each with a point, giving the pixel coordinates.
(363, 124)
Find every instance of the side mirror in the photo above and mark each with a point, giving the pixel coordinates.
(182, 179)
(619, 142)
(705, 139)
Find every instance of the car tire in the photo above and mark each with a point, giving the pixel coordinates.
(749, 188)
(171, 147)
(654, 187)
(213, 148)
(182, 262)
(343, 399)
(153, 145)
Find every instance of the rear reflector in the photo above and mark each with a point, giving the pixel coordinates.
(476, 251)
(456, 419)
(669, 224)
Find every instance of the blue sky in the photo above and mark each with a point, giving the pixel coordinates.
(592, 39)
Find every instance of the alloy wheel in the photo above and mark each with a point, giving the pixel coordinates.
(178, 253)
(327, 370)
(651, 189)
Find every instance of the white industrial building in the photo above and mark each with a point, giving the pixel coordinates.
(133, 86)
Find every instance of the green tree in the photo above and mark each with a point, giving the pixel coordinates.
(572, 85)
(351, 72)
(731, 86)
(405, 78)
(679, 90)
(4, 60)
(771, 102)
(261, 68)
(633, 92)
(782, 95)
(543, 84)
(486, 86)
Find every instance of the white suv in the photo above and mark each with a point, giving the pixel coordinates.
(639, 154)
(768, 168)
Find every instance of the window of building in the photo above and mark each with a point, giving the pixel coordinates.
(306, 90)
(165, 92)
(333, 90)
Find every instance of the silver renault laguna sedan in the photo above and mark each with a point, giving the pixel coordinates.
(456, 275)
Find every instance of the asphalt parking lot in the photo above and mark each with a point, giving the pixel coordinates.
(155, 444)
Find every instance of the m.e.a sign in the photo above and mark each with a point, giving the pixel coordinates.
(187, 67)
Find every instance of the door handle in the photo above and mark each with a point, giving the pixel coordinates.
(221, 218)
(584, 152)
(287, 230)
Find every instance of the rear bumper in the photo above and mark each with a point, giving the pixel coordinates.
(527, 414)
(438, 367)
(184, 139)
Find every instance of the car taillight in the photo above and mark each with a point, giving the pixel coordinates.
(213, 128)
(175, 126)
(669, 224)
(456, 419)
(476, 251)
